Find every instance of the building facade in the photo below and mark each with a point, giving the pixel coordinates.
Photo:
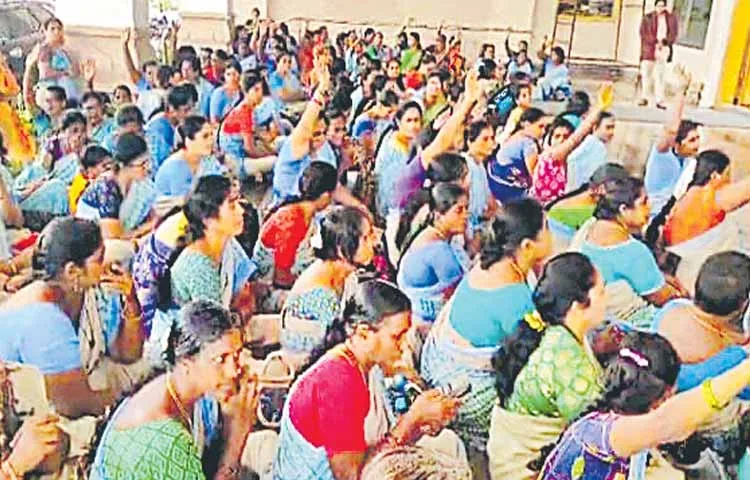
(714, 43)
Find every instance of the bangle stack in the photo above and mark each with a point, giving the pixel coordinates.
(709, 396)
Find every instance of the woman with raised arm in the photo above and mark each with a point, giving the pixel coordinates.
(638, 411)
(550, 176)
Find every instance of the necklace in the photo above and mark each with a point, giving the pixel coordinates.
(620, 227)
(438, 232)
(517, 269)
(176, 400)
(709, 325)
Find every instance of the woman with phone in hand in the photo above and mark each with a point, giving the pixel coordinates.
(150, 436)
(45, 323)
(331, 429)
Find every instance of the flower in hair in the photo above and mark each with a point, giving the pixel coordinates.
(317, 239)
(634, 356)
(535, 322)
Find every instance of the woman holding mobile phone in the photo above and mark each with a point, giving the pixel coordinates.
(45, 323)
(337, 437)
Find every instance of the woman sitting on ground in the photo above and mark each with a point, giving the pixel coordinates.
(429, 269)
(194, 245)
(709, 337)
(551, 174)
(110, 199)
(225, 97)
(236, 136)
(634, 282)
(151, 433)
(555, 82)
(344, 242)
(42, 187)
(337, 438)
(488, 305)
(696, 225)
(546, 375)
(480, 145)
(570, 212)
(284, 251)
(710, 197)
(212, 265)
(511, 169)
(44, 323)
(638, 411)
(176, 177)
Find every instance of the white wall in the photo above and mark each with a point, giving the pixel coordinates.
(103, 13)
(219, 7)
(706, 65)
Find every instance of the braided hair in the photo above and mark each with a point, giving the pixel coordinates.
(643, 370)
(567, 279)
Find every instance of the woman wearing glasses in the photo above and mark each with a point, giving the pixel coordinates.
(111, 197)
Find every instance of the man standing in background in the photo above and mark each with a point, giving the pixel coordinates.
(658, 35)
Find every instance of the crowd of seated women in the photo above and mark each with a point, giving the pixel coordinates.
(342, 260)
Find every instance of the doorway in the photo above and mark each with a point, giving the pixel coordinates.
(597, 30)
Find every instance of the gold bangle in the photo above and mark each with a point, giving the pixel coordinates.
(709, 396)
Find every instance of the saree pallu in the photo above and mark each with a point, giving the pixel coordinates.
(448, 358)
(263, 257)
(52, 196)
(515, 440)
(296, 458)
(138, 204)
(100, 322)
(623, 303)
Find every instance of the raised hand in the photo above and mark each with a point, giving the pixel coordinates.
(88, 67)
(606, 95)
(472, 86)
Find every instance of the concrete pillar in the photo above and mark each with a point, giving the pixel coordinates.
(206, 23)
(93, 31)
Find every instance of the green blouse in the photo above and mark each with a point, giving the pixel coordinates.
(194, 276)
(573, 217)
(158, 450)
(559, 380)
